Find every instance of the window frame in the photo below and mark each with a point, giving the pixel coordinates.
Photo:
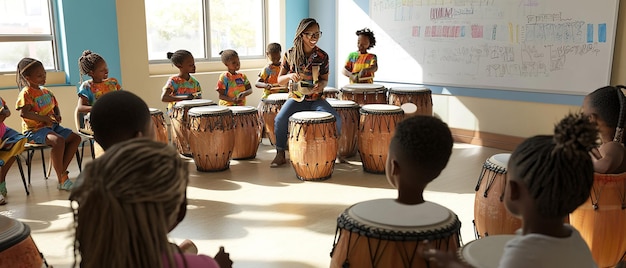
(53, 38)
(208, 60)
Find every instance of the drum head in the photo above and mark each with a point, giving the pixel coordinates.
(242, 109)
(381, 108)
(12, 232)
(342, 103)
(485, 252)
(388, 212)
(363, 87)
(501, 160)
(330, 89)
(194, 103)
(312, 116)
(278, 96)
(407, 90)
(155, 111)
(214, 109)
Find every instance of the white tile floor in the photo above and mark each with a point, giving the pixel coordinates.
(264, 217)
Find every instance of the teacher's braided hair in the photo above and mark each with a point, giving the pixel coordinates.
(127, 203)
(557, 170)
(296, 55)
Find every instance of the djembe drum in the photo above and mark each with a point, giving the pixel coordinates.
(384, 233)
(270, 108)
(180, 123)
(211, 137)
(247, 132)
(364, 93)
(313, 145)
(331, 93)
(601, 220)
(421, 97)
(490, 215)
(485, 252)
(17, 248)
(158, 122)
(349, 113)
(377, 124)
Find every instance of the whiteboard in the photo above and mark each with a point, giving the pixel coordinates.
(556, 46)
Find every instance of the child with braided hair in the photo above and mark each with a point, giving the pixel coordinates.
(126, 208)
(93, 65)
(361, 65)
(41, 118)
(606, 107)
(548, 178)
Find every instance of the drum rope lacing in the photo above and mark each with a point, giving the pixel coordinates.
(596, 192)
(353, 226)
(493, 170)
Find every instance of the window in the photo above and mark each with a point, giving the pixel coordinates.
(26, 30)
(205, 27)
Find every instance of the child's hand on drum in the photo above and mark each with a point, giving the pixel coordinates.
(223, 258)
(441, 258)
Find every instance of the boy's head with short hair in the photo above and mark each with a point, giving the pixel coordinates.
(419, 150)
(119, 116)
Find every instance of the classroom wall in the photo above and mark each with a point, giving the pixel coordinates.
(511, 113)
(118, 28)
(79, 28)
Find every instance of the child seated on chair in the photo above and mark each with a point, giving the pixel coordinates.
(419, 150)
(41, 118)
(548, 178)
(93, 65)
(12, 144)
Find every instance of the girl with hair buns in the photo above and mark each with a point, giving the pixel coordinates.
(307, 63)
(605, 107)
(548, 178)
(126, 208)
(182, 86)
(93, 65)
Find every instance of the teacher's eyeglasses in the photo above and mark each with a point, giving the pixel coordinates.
(313, 35)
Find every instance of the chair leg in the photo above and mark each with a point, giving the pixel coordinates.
(46, 173)
(93, 152)
(19, 165)
(79, 158)
(29, 162)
